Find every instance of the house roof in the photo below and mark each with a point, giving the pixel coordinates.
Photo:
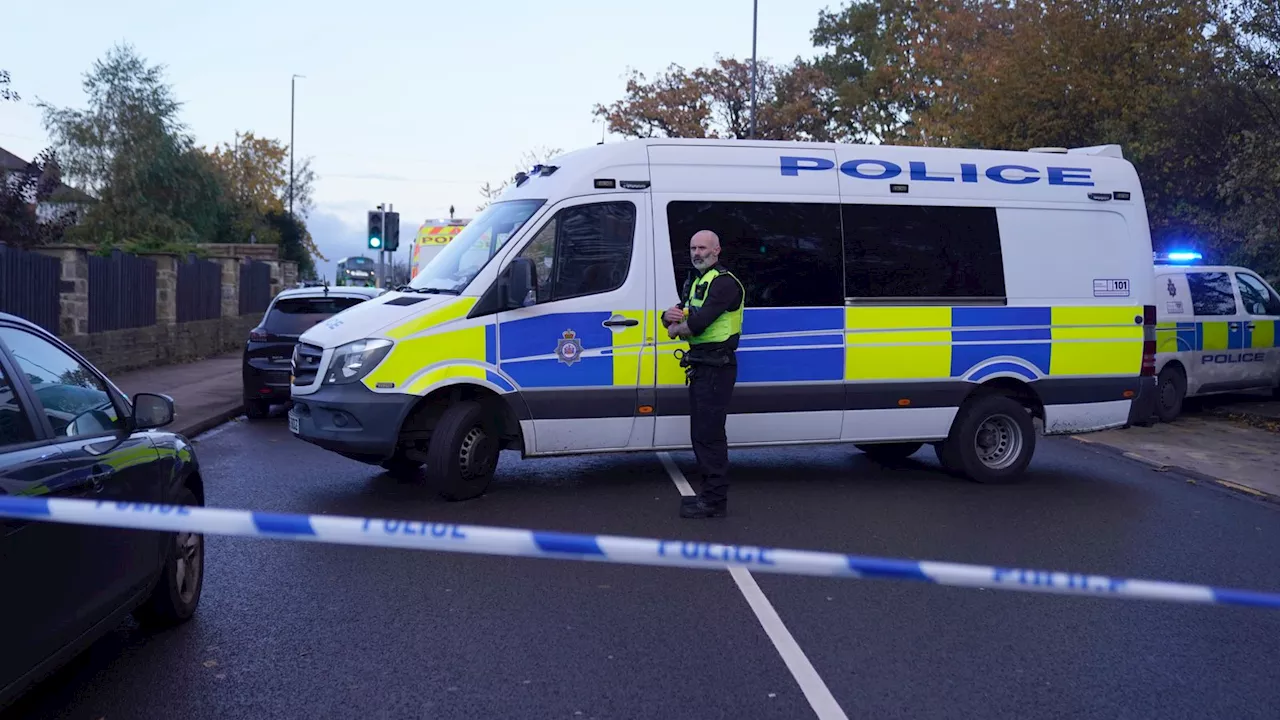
(64, 194)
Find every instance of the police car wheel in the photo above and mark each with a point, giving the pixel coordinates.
(992, 439)
(890, 452)
(463, 453)
(1171, 390)
(177, 593)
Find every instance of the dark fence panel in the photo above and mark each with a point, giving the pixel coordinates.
(199, 290)
(255, 287)
(29, 286)
(122, 292)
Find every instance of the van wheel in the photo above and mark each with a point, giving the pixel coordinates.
(1171, 390)
(176, 595)
(463, 454)
(890, 452)
(991, 441)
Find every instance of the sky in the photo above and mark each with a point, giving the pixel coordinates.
(416, 104)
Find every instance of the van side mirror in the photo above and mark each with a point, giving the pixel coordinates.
(518, 281)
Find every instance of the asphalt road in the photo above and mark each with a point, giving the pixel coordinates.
(290, 629)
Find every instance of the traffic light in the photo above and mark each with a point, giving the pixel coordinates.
(391, 241)
(375, 230)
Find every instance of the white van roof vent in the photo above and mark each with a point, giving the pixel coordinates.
(1095, 150)
(1059, 150)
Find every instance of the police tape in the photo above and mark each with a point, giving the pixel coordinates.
(484, 540)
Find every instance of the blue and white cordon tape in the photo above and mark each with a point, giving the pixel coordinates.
(450, 537)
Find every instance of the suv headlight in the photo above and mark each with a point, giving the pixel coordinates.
(353, 361)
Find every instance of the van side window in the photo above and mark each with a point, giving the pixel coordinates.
(785, 254)
(583, 250)
(914, 252)
(1258, 298)
(1211, 293)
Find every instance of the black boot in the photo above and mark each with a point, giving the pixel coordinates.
(697, 508)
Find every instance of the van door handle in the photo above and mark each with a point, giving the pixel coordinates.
(1250, 325)
(617, 320)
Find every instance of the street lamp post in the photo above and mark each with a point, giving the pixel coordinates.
(755, 14)
(293, 83)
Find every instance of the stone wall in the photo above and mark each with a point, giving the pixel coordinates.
(167, 341)
(136, 348)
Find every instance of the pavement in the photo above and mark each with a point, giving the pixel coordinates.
(205, 393)
(295, 629)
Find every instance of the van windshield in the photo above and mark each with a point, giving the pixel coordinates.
(467, 254)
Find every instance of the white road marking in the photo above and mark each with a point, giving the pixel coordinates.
(815, 690)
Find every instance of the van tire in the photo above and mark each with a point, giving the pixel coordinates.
(463, 453)
(1171, 390)
(889, 452)
(990, 419)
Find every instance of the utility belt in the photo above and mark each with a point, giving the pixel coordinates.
(697, 356)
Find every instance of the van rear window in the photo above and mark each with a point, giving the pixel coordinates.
(294, 316)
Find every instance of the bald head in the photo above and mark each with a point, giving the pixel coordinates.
(704, 249)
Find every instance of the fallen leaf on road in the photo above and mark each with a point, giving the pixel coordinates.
(210, 663)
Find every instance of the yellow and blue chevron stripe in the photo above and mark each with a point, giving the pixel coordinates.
(1216, 335)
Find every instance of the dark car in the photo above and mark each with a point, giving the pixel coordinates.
(67, 432)
(268, 352)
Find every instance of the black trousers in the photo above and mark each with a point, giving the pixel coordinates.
(710, 390)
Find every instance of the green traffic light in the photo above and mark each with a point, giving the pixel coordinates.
(374, 242)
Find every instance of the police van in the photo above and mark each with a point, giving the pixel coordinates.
(895, 296)
(1216, 331)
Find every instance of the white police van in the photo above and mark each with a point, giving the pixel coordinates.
(1216, 331)
(895, 296)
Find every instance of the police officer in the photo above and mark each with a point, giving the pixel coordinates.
(710, 318)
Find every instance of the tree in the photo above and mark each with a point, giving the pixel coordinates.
(154, 188)
(716, 102)
(21, 192)
(537, 156)
(6, 93)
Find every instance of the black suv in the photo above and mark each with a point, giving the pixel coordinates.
(269, 350)
(67, 432)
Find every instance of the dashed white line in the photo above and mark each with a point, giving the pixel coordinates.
(815, 690)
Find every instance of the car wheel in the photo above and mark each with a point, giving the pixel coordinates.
(1171, 390)
(463, 454)
(991, 441)
(177, 594)
(890, 452)
(257, 409)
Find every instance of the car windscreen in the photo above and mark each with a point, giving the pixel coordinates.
(294, 316)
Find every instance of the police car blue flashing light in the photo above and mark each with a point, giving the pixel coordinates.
(1179, 256)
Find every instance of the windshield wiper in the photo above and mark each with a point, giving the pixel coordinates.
(429, 290)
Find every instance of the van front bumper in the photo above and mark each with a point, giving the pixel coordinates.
(351, 420)
(1143, 408)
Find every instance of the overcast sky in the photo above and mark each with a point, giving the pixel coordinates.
(412, 103)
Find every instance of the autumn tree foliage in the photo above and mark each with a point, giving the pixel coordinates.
(715, 102)
(1190, 89)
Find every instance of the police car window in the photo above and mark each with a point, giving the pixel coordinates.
(908, 251)
(15, 429)
(785, 254)
(1258, 298)
(75, 401)
(583, 250)
(1211, 293)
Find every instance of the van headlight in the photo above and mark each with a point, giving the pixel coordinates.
(353, 361)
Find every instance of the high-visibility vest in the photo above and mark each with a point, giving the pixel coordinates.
(730, 321)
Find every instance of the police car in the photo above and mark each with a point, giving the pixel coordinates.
(895, 297)
(1216, 331)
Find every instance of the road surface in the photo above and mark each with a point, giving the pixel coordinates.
(290, 629)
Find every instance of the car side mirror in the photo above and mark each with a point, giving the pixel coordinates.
(518, 281)
(151, 410)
